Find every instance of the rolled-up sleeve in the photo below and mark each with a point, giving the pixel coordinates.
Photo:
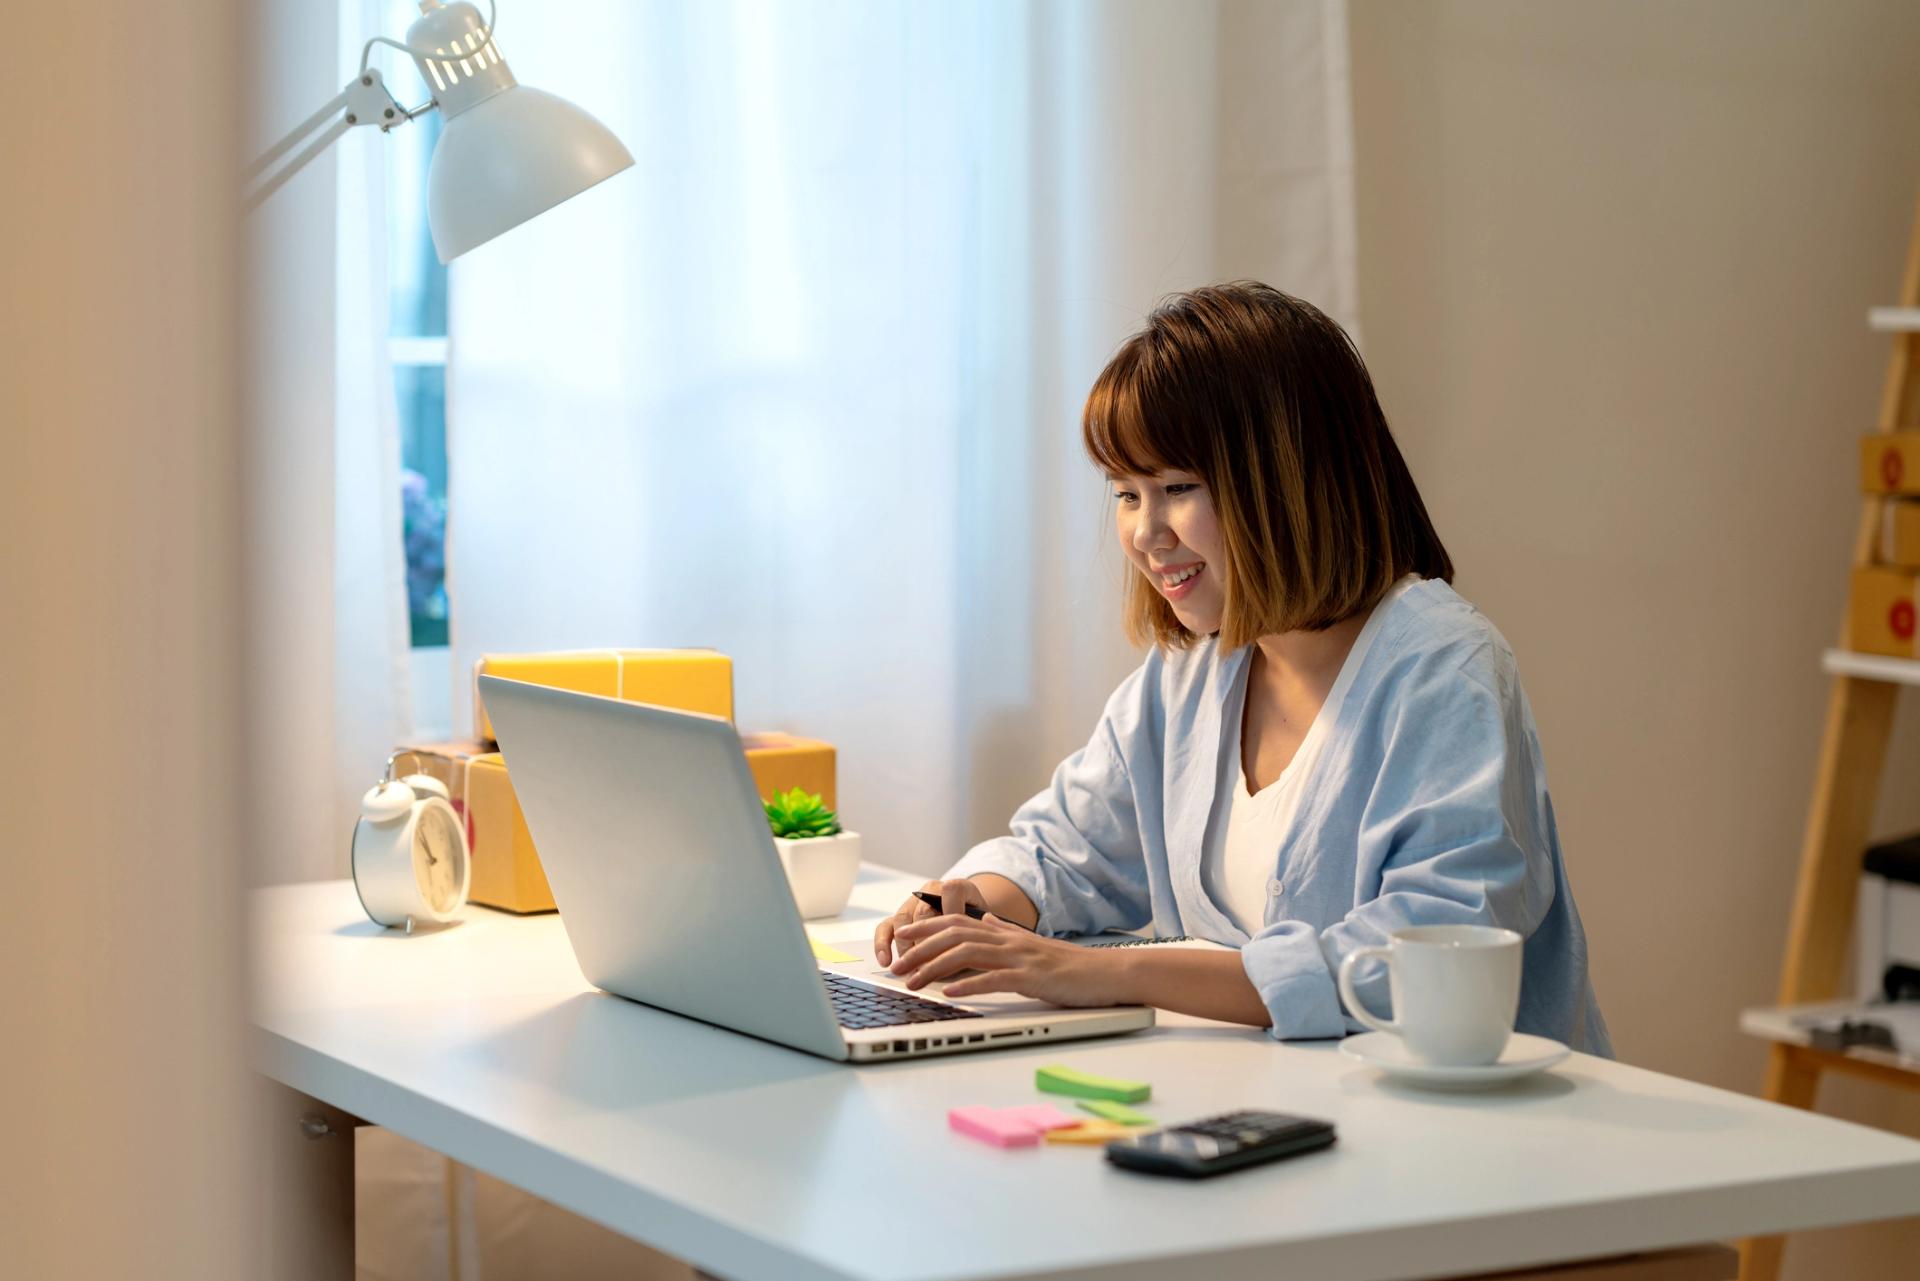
(1075, 848)
(1450, 834)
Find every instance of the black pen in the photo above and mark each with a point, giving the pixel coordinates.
(977, 913)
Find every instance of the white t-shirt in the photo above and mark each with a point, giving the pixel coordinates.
(1239, 872)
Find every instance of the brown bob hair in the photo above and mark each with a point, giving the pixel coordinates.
(1265, 399)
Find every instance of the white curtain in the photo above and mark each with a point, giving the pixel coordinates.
(805, 384)
(372, 636)
(324, 676)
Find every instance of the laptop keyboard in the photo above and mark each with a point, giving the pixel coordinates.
(857, 1005)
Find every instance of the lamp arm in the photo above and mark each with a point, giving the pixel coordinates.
(365, 101)
(292, 140)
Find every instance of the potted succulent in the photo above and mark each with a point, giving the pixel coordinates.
(820, 858)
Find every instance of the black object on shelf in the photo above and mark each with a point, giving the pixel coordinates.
(1901, 983)
(1847, 1033)
(1895, 860)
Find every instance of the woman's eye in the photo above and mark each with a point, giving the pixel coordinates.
(1180, 488)
(1125, 495)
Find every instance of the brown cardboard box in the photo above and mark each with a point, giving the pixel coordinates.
(1881, 612)
(506, 871)
(693, 680)
(506, 868)
(783, 761)
(1890, 463)
(1900, 534)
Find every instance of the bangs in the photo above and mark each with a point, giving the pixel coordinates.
(1125, 431)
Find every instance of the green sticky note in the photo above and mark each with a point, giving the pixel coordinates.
(1085, 1085)
(1108, 1110)
(831, 955)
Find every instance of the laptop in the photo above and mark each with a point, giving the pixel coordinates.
(656, 845)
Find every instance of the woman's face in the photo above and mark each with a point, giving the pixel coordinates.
(1168, 529)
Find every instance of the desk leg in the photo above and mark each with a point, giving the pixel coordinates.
(1793, 1078)
(304, 1192)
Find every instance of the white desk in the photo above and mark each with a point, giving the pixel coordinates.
(757, 1162)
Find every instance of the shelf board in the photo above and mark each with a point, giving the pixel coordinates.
(1896, 320)
(1785, 1024)
(1874, 667)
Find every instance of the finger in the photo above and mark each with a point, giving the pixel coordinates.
(965, 956)
(919, 908)
(928, 926)
(954, 897)
(1005, 980)
(918, 942)
(884, 934)
(930, 945)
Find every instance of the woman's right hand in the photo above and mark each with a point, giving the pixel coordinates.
(954, 895)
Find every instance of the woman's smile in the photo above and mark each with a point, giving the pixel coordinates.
(1178, 583)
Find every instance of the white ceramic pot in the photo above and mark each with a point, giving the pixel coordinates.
(821, 870)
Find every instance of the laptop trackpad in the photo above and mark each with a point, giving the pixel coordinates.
(989, 1003)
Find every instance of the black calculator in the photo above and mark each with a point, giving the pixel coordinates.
(1230, 1141)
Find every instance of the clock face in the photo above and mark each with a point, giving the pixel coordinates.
(439, 859)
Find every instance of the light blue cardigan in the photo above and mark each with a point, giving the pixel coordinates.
(1428, 806)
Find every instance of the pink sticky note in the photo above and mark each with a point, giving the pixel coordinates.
(992, 1125)
(1041, 1116)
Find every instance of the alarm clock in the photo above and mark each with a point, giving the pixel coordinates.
(410, 857)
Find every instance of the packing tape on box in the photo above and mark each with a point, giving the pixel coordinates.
(619, 657)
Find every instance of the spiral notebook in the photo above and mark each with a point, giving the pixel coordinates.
(1137, 940)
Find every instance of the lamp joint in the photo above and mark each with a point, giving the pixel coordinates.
(369, 102)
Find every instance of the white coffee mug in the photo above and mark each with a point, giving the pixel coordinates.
(1456, 991)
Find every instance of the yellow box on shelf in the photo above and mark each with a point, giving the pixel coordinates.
(1900, 534)
(1890, 463)
(506, 870)
(780, 762)
(692, 680)
(1881, 612)
(506, 867)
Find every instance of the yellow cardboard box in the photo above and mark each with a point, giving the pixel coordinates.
(781, 762)
(506, 870)
(693, 680)
(506, 867)
(1881, 615)
(1900, 534)
(1890, 463)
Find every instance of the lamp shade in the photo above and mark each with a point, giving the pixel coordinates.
(509, 157)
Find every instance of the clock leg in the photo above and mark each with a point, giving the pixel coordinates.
(305, 1189)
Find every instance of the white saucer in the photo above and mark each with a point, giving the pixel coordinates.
(1523, 1056)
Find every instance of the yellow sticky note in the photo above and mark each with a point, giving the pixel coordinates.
(831, 955)
(1093, 1130)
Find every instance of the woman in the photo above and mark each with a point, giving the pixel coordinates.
(1324, 745)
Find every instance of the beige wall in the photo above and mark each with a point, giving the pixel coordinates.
(1615, 262)
(119, 633)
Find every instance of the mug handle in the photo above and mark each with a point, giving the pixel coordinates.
(1358, 1010)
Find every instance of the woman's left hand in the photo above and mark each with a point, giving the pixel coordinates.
(1009, 958)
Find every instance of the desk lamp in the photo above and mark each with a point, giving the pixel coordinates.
(506, 152)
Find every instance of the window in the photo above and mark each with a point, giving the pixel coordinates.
(417, 343)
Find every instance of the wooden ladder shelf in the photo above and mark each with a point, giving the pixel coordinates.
(1852, 753)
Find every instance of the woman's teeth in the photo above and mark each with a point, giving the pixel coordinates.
(1175, 580)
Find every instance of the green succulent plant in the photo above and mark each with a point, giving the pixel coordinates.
(797, 815)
